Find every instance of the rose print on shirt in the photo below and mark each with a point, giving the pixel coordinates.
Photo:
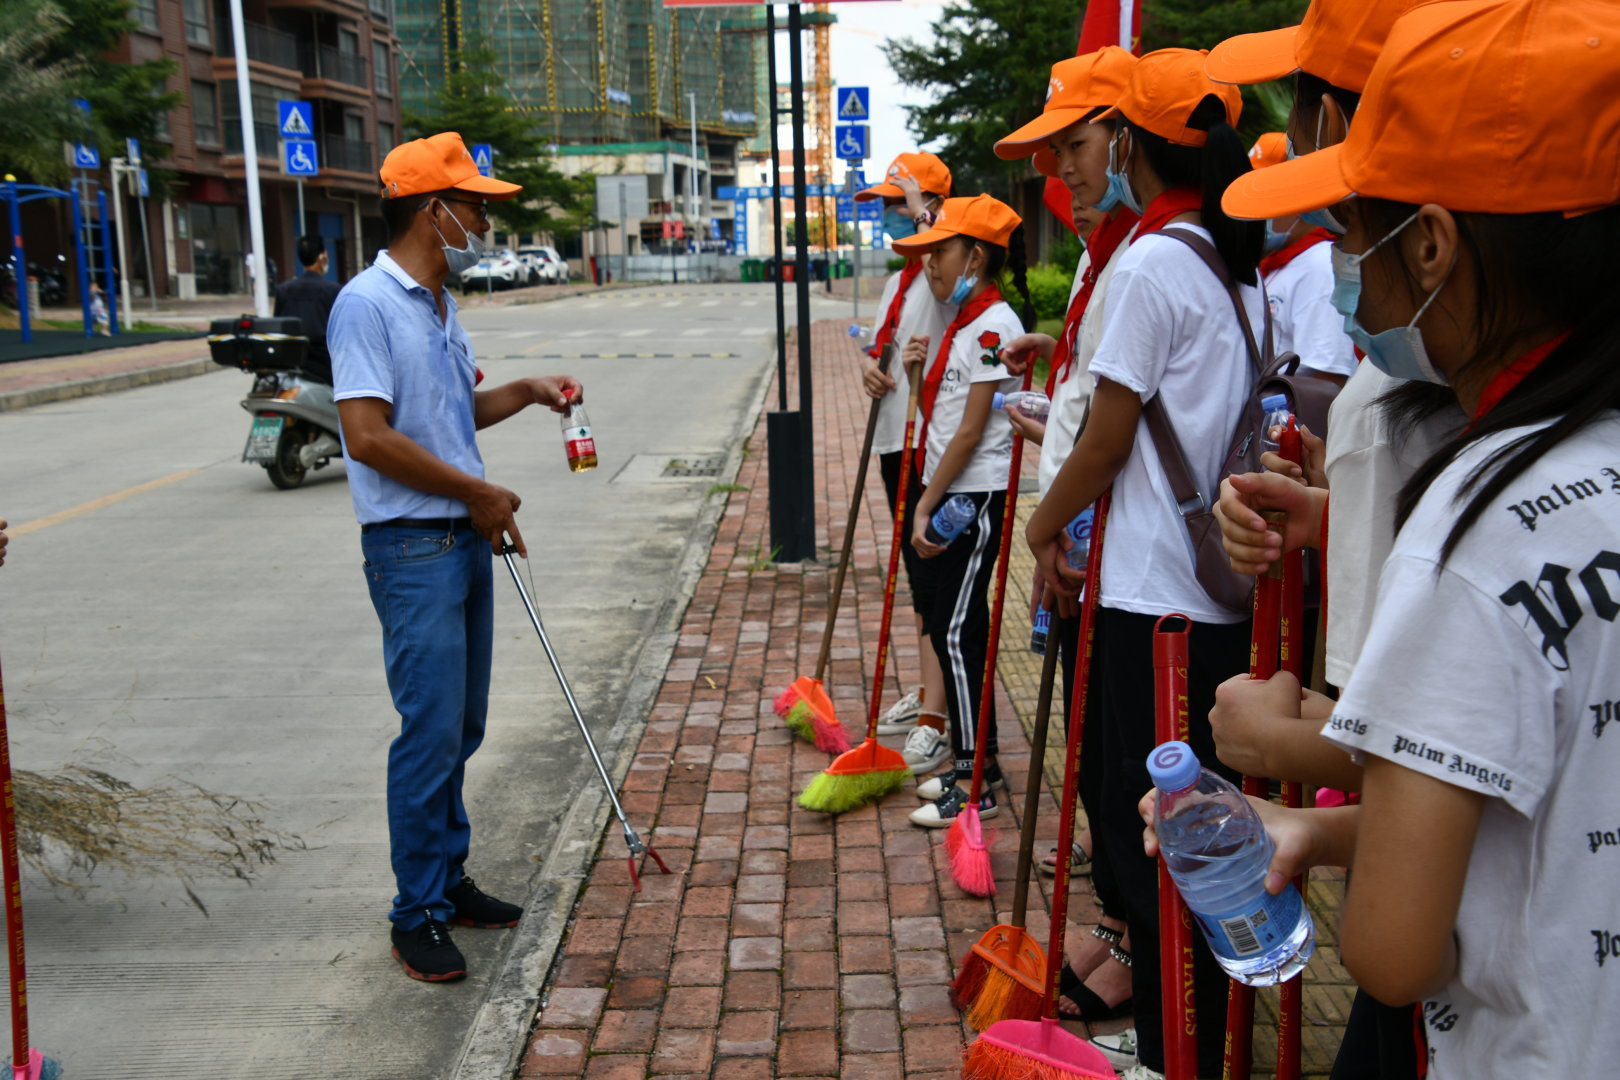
(990, 342)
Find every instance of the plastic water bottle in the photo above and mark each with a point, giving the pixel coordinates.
(577, 439)
(1276, 407)
(1218, 854)
(949, 520)
(1032, 403)
(1039, 632)
(1079, 531)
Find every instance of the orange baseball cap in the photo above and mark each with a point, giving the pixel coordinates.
(437, 163)
(982, 217)
(1166, 86)
(930, 172)
(1338, 41)
(1470, 107)
(1078, 87)
(1269, 149)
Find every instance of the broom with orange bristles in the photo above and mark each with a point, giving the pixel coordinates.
(804, 706)
(965, 841)
(1291, 658)
(1042, 1049)
(871, 771)
(1004, 975)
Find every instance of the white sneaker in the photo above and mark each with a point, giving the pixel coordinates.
(926, 749)
(1140, 1072)
(902, 715)
(935, 786)
(1120, 1050)
(942, 811)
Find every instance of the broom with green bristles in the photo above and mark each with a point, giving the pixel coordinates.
(870, 771)
(804, 706)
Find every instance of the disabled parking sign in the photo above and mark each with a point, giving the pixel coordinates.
(852, 141)
(299, 158)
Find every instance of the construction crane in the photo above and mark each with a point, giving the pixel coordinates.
(821, 19)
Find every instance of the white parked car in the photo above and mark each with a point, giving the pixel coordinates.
(499, 270)
(553, 267)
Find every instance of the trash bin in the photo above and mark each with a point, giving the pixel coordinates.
(788, 271)
(844, 268)
(753, 270)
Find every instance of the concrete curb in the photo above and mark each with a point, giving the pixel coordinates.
(105, 384)
(499, 1033)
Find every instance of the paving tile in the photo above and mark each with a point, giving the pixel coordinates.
(572, 1007)
(746, 1034)
(626, 1031)
(555, 1053)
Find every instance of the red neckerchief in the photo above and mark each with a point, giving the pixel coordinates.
(1276, 260)
(936, 373)
(1503, 382)
(1105, 239)
(891, 318)
(1167, 205)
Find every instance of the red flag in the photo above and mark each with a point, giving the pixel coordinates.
(1107, 22)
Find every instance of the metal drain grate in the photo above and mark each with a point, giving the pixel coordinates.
(695, 466)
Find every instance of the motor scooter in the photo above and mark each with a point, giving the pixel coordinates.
(295, 421)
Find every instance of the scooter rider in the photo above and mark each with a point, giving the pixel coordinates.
(310, 296)
(405, 390)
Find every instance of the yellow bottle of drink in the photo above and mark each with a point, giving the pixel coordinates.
(577, 439)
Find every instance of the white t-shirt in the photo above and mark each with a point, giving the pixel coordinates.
(1366, 467)
(1495, 674)
(1303, 314)
(1169, 329)
(920, 314)
(969, 363)
(1071, 397)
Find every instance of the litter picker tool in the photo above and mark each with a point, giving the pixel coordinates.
(965, 841)
(1180, 1018)
(1004, 974)
(638, 849)
(26, 1062)
(1042, 1049)
(871, 771)
(804, 706)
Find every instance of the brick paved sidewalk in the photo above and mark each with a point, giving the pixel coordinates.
(787, 943)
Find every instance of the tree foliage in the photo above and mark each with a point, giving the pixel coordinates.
(985, 70)
(474, 102)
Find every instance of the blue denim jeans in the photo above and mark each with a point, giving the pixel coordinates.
(433, 595)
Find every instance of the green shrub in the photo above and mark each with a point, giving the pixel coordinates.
(1049, 290)
(895, 263)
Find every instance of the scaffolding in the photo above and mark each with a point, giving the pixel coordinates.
(595, 71)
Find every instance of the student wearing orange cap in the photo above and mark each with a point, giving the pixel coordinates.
(912, 189)
(1482, 254)
(966, 451)
(404, 378)
(1170, 334)
(1067, 140)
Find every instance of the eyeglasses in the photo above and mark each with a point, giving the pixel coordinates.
(477, 204)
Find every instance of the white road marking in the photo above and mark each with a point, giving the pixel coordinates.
(634, 333)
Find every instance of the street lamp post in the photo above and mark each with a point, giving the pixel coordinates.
(250, 165)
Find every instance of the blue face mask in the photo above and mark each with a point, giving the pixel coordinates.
(1399, 352)
(898, 224)
(1316, 219)
(1119, 191)
(1275, 241)
(959, 292)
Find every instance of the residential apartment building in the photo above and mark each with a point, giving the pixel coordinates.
(338, 55)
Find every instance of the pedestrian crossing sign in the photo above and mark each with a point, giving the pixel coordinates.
(297, 119)
(484, 157)
(854, 104)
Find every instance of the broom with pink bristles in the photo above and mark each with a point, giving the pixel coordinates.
(965, 842)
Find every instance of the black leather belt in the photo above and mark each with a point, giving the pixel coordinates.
(441, 525)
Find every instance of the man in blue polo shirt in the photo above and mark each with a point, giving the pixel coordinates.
(404, 379)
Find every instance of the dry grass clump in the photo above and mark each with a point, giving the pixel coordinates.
(76, 820)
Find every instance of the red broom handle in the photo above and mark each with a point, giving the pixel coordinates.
(1003, 554)
(1071, 759)
(898, 538)
(1175, 921)
(1264, 646)
(13, 882)
(1291, 1001)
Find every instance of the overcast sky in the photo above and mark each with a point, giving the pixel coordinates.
(858, 60)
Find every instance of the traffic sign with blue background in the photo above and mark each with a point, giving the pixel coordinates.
(483, 156)
(132, 151)
(852, 142)
(854, 104)
(299, 158)
(296, 119)
(86, 157)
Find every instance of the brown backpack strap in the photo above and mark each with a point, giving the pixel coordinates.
(1173, 460)
(1206, 251)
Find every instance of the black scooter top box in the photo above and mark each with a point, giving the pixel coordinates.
(249, 343)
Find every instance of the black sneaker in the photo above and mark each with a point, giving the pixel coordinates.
(474, 907)
(428, 954)
(942, 811)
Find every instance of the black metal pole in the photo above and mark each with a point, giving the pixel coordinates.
(776, 214)
(801, 226)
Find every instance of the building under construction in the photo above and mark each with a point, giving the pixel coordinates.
(613, 85)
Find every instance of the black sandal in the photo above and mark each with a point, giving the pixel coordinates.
(1088, 1006)
(1079, 862)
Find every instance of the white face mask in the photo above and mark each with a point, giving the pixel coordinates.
(461, 258)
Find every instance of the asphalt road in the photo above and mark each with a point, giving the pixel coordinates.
(171, 618)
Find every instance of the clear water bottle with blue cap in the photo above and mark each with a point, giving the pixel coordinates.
(1040, 632)
(1276, 407)
(1219, 853)
(950, 519)
(1031, 403)
(1079, 531)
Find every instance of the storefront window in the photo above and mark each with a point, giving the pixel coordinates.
(217, 249)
